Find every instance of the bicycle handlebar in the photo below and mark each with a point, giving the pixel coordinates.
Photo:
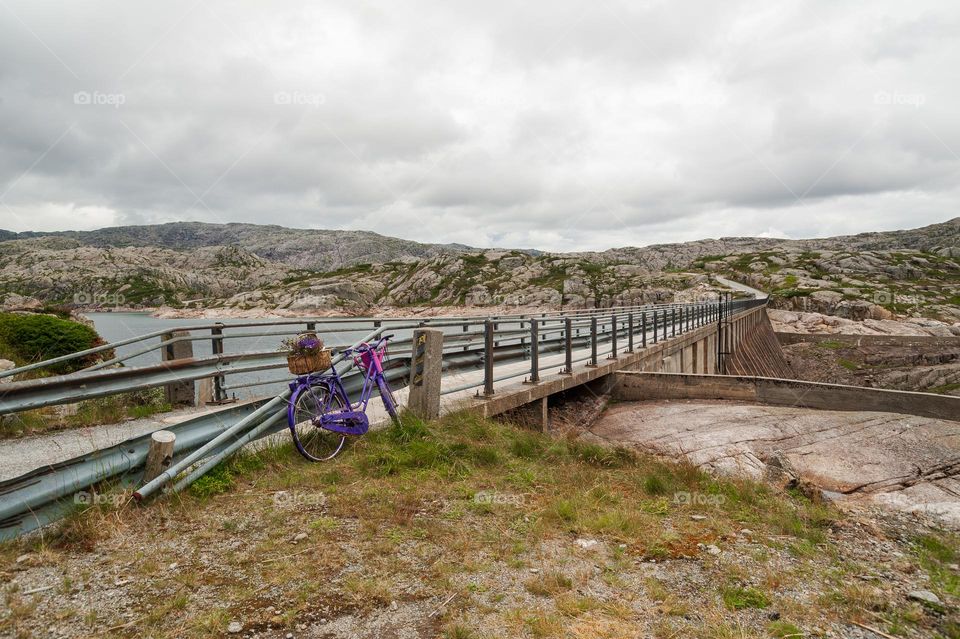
(366, 347)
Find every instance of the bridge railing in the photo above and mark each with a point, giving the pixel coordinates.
(476, 343)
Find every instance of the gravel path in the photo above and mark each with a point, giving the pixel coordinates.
(19, 456)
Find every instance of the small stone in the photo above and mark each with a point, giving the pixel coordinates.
(924, 596)
(300, 537)
(713, 550)
(534, 570)
(173, 566)
(954, 567)
(587, 543)
(24, 558)
(289, 635)
(773, 616)
(698, 517)
(393, 605)
(746, 531)
(234, 627)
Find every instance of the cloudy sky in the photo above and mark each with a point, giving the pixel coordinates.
(555, 125)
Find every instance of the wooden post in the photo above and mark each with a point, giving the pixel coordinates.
(545, 414)
(178, 393)
(160, 454)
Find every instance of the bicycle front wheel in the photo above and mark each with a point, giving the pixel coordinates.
(389, 400)
(315, 442)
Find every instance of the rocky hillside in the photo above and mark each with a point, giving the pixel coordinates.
(314, 249)
(272, 269)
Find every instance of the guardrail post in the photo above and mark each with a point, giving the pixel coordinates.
(488, 357)
(613, 338)
(425, 372)
(534, 351)
(682, 324)
(217, 348)
(178, 393)
(568, 346)
(673, 322)
(466, 328)
(629, 332)
(159, 455)
(654, 326)
(643, 329)
(593, 341)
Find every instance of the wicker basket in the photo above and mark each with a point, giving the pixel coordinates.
(303, 364)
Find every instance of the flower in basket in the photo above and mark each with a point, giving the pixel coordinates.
(304, 344)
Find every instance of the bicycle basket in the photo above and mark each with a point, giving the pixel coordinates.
(309, 363)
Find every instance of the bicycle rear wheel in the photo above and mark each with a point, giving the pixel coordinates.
(315, 442)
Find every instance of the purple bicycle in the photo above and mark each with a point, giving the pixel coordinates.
(321, 415)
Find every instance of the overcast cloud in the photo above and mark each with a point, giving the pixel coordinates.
(555, 125)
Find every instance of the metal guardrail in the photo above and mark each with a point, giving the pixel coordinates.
(41, 496)
(464, 335)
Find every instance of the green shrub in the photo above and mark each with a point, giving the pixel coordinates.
(33, 338)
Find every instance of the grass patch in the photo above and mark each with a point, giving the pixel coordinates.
(738, 598)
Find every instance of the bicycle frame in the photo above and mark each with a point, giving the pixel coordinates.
(352, 419)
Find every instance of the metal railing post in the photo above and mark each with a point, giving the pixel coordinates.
(568, 346)
(593, 341)
(534, 351)
(488, 357)
(217, 348)
(629, 332)
(613, 338)
(673, 321)
(655, 338)
(643, 329)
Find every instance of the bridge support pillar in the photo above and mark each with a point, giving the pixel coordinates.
(425, 372)
(178, 393)
(545, 414)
